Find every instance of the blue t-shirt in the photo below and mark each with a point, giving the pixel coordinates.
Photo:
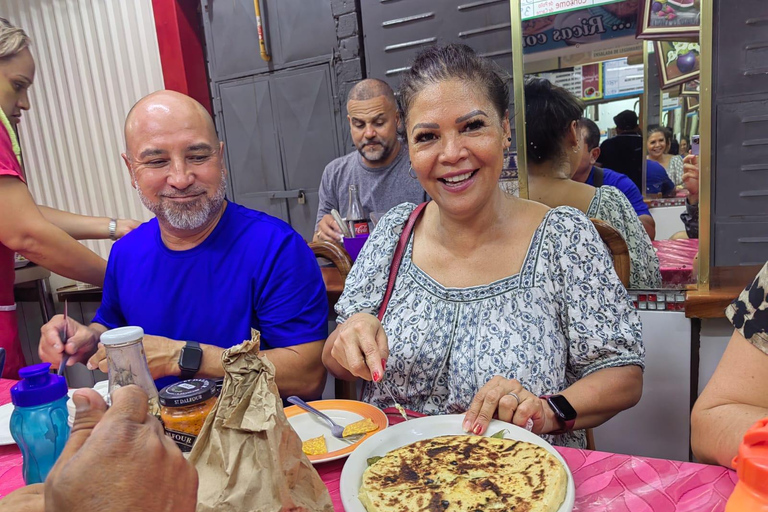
(657, 180)
(253, 270)
(627, 186)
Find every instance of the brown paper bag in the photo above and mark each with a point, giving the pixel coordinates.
(247, 456)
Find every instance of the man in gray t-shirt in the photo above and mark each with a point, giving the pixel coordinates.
(379, 167)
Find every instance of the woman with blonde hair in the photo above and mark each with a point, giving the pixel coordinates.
(43, 235)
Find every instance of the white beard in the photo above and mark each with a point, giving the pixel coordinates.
(189, 216)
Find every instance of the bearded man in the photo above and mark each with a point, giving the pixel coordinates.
(205, 270)
(379, 167)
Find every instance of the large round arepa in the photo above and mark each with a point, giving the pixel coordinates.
(465, 473)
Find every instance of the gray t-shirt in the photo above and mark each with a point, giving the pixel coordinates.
(380, 188)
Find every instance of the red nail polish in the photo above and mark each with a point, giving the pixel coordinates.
(375, 376)
(384, 364)
(478, 429)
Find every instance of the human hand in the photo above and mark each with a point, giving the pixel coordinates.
(119, 460)
(496, 399)
(328, 230)
(162, 356)
(27, 499)
(81, 341)
(362, 347)
(125, 226)
(691, 177)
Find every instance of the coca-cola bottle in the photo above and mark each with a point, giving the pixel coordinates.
(356, 217)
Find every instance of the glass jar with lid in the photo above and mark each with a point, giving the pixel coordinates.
(128, 364)
(184, 407)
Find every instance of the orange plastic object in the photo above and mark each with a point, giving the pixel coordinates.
(751, 492)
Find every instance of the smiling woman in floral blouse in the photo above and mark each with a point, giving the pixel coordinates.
(498, 301)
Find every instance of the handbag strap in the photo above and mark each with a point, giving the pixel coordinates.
(398, 256)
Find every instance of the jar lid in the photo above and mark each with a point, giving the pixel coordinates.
(187, 392)
(38, 386)
(121, 335)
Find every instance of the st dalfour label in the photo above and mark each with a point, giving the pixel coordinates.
(182, 439)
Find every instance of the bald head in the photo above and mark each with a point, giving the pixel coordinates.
(371, 88)
(167, 108)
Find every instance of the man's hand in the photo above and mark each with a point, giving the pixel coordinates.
(691, 178)
(81, 341)
(26, 499)
(328, 230)
(119, 460)
(162, 356)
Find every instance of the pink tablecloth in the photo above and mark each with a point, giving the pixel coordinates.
(676, 260)
(604, 481)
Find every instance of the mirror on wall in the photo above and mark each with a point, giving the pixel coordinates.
(640, 110)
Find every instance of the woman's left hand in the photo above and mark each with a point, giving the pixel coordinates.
(508, 400)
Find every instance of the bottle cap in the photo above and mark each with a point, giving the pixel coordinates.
(187, 392)
(38, 386)
(121, 335)
(752, 461)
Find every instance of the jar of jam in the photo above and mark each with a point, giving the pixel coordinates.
(184, 407)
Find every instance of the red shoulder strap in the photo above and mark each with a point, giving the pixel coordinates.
(398, 256)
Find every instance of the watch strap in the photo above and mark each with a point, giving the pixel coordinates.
(565, 425)
(190, 359)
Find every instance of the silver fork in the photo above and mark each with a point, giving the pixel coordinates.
(336, 429)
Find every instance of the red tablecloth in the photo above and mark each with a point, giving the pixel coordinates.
(676, 260)
(604, 481)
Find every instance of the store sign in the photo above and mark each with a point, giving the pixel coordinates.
(668, 103)
(537, 8)
(592, 24)
(585, 82)
(622, 79)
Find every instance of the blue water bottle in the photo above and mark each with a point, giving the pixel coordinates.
(39, 419)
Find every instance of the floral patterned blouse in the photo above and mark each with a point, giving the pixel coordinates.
(562, 317)
(675, 170)
(612, 206)
(749, 313)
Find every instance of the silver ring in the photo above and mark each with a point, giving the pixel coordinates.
(516, 397)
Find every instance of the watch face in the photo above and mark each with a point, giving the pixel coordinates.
(562, 407)
(191, 357)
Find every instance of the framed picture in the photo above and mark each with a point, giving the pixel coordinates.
(669, 19)
(691, 88)
(691, 103)
(678, 62)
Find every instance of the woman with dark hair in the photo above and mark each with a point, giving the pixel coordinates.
(555, 148)
(659, 141)
(684, 147)
(497, 302)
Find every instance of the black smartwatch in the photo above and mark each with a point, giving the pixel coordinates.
(190, 359)
(564, 411)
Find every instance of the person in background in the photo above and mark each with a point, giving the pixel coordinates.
(737, 394)
(684, 147)
(673, 147)
(205, 271)
(555, 149)
(43, 235)
(690, 216)
(624, 152)
(498, 300)
(146, 470)
(659, 140)
(588, 173)
(379, 167)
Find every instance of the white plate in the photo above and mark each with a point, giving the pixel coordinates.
(419, 429)
(5, 425)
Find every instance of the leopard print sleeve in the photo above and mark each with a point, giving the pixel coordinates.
(749, 312)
